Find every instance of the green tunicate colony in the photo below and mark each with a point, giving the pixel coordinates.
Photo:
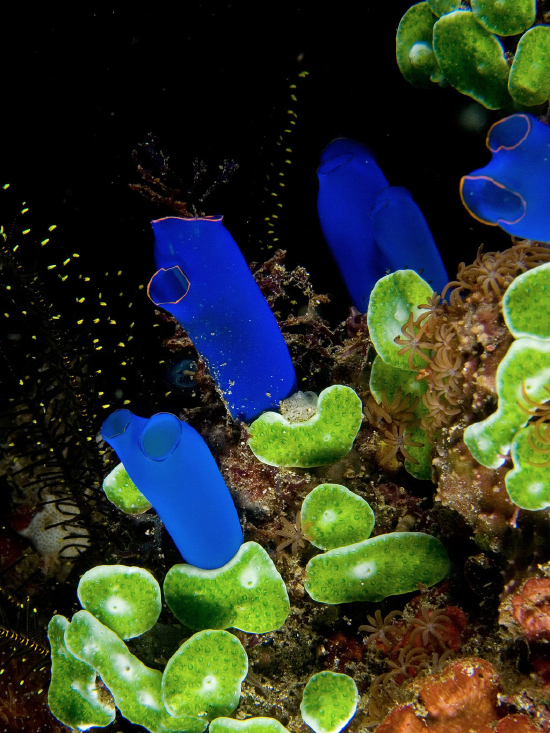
(200, 682)
(522, 384)
(442, 42)
(393, 299)
(357, 568)
(319, 441)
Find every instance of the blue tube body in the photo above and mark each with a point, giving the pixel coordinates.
(371, 227)
(171, 465)
(512, 190)
(203, 281)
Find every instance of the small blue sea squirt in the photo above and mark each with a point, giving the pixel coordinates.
(370, 226)
(512, 190)
(203, 281)
(171, 465)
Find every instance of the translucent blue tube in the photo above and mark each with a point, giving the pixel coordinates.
(371, 228)
(203, 281)
(172, 466)
(512, 190)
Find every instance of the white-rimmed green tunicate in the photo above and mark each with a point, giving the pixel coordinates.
(392, 299)
(526, 304)
(529, 82)
(472, 59)
(528, 483)
(337, 517)
(329, 702)
(525, 368)
(135, 688)
(123, 493)
(414, 52)
(374, 569)
(247, 593)
(74, 696)
(320, 441)
(250, 725)
(505, 17)
(126, 599)
(203, 678)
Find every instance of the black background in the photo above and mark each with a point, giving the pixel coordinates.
(82, 88)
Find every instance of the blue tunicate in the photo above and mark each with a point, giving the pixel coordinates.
(370, 226)
(512, 190)
(171, 465)
(203, 281)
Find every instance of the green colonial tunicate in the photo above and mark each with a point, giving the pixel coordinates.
(526, 304)
(322, 440)
(74, 696)
(528, 483)
(329, 702)
(135, 688)
(126, 599)
(374, 569)
(472, 59)
(337, 517)
(414, 52)
(123, 493)
(250, 725)
(524, 368)
(202, 680)
(441, 7)
(388, 380)
(505, 17)
(248, 593)
(392, 299)
(529, 82)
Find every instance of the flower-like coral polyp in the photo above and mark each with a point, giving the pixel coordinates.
(251, 725)
(323, 439)
(126, 599)
(374, 569)
(123, 493)
(336, 517)
(329, 702)
(248, 593)
(202, 680)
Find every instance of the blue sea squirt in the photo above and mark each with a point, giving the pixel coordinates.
(370, 226)
(173, 468)
(204, 281)
(512, 190)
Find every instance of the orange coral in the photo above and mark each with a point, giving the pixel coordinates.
(531, 608)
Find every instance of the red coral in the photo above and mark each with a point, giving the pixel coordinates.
(531, 608)
(341, 651)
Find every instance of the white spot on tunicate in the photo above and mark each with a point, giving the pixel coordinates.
(122, 666)
(116, 605)
(249, 578)
(326, 437)
(148, 700)
(329, 516)
(536, 487)
(364, 569)
(420, 53)
(209, 683)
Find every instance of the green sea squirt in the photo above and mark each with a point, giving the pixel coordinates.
(247, 594)
(374, 569)
(321, 440)
(329, 702)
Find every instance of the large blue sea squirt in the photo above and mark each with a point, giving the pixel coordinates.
(371, 227)
(171, 465)
(512, 190)
(203, 281)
